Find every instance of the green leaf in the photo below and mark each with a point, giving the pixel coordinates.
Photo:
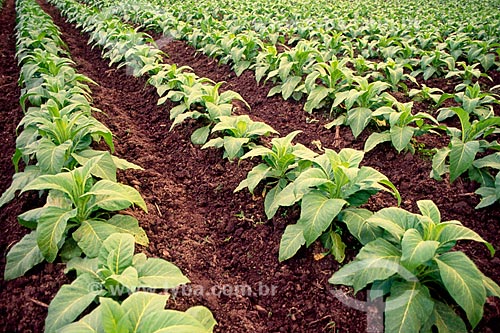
(91, 234)
(117, 252)
(453, 232)
(203, 315)
(394, 220)
(51, 158)
(317, 213)
(70, 301)
(439, 166)
(490, 161)
(50, 230)
(289, 86)
(114, 196)
(24, 255)
(62, 182)
(464, 282)
(129, 225)
(377, 260)
(19, 181)
(91, 323)
(408, 307)
(82, 266)
(200, 135)
(376, 138)
(254, 177)
(401, 136)
(158, 273)
(316, 96)
(105, 168)
(492, 289)
(429, 208)
(269, 207)
(113, 317)
(461, 157)
(170, 321)
(445, 320)
(129, 278)
(358, 119)
(233, 146)
(291, 241)
(139, 305)
(416, 251)
(355, 220)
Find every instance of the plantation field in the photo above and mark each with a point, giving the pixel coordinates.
(260, 259)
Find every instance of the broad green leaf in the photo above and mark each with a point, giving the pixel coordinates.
(129, 225)
(408, 307)
(113, 317)
(50, 230)
(24, 255)
(254, 177)
(401, 136)
(70, 301)
(91, 323)
(492, 288)
(140, 304)
(377, 260)
(82, 265)
(200, 135)
(394, 220)
(129, 278)
(271, 196)
(83, 156)
(358, 119)
(291, 241)
(51, 158)
(490, 161)
(429, 208)
(19, 181)
(170, 321)
(204, 316)
(117, 252)
(105, 168)
(464, 282)
(233, 146)
(445, 319)
(317, 213)
(416, 251)
(352, 157)
(289, 86)
(336, 246)
(453, 232)
(316, 96)
(114, 196)
(461, 157)
(158, 273)
(355, 220)
(62, 182)
(376, 138)
(439, 166)
(91, 234)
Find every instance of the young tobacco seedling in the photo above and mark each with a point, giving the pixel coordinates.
(334, 182)
(75, 218)
(435, 95)
(464, 145)
(116, 272)
(407, 259)
(281, 165)
(399, 121)
(239, 132)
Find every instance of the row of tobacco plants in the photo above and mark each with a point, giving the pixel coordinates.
(358, 91)
(405, 257)
(80, 222)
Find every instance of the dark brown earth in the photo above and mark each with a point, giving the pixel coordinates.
(219, 239)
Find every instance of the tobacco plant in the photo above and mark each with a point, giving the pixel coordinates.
(114, 274)
(333, 183)
(407, 259)
(281, 164)
(75, 218)
(239, 132)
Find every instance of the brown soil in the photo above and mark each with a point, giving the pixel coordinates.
(217, 238)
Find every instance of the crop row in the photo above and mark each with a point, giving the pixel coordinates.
(357, 92)
(405, 255)
(78, 222)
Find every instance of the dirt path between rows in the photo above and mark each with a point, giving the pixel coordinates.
(221, 240)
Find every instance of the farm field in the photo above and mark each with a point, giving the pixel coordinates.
(221, 240)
